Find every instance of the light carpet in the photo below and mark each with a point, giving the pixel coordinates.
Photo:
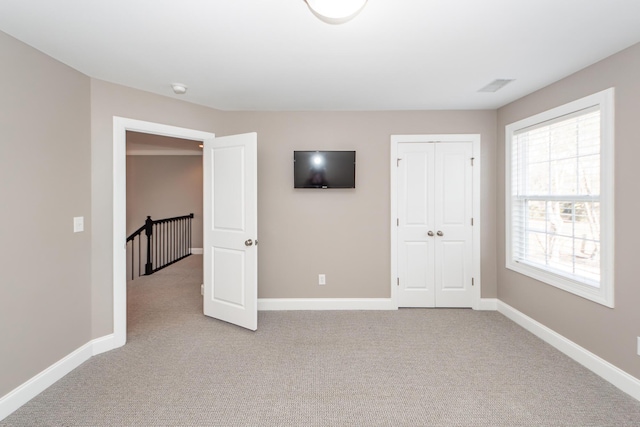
(412, 367)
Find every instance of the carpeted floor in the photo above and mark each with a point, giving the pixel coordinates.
(412, 367)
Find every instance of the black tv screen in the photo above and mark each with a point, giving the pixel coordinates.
(324, 169)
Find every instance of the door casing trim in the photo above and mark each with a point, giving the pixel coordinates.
(120, 127)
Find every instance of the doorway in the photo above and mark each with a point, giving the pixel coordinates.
(120, 127)
(435, 232)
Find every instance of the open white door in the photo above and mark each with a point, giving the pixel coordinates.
(231, 229)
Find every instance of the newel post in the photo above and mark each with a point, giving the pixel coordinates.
(148, 231)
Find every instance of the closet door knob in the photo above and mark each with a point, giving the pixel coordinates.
(439, 233)
(430, 233)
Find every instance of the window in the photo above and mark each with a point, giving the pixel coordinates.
(559, 197)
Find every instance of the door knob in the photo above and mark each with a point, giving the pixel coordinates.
(439, 233)
(248, 242)
(430, 233)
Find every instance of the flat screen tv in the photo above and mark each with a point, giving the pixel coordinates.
(324, 169)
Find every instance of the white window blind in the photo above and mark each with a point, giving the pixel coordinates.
(556, 203)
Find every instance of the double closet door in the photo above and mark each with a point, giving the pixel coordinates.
(435, 203)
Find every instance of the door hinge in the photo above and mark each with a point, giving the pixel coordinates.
(398, 222)
(472, 161)
(398, 162)
(398, 281)
(472, 282)
(472, 222)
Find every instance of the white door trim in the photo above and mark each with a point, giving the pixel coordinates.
(393, 165)
(120, 127)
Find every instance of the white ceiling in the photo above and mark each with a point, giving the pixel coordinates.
(276, 55)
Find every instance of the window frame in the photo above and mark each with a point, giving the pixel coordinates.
(604, 293)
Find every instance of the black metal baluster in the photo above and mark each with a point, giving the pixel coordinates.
(139, 257)
(133, 244)
(163, 244)
(155, 245)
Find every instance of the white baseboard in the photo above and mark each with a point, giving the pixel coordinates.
(197, 251)
(616, 376)
(103, 344)
(271, 304)
(36, 385)
(284, 304)
(488, 304)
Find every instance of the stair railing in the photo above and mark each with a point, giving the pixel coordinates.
(168, 241)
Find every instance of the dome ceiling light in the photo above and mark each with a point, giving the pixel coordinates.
(336, 11)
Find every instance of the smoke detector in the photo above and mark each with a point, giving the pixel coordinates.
(179, 88)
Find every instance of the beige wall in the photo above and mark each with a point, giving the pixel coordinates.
(45, 181)
(345, 233)
(609, 333)
(164, 187)
(342, 233)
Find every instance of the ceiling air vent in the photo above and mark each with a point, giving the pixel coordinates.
(496, 85)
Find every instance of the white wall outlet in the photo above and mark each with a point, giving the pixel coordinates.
(202, 289)
(322, 279)
(78, 224)
(638, 346)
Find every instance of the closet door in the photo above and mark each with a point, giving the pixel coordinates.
(416, 225)
(453, 211)
(434, 224)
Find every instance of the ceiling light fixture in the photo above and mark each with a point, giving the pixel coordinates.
(336, 11)
(179, 88)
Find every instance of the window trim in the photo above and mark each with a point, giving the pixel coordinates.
(604, 294)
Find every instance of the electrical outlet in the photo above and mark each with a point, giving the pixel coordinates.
(638, 346)
(322, 279)
(202, 289)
